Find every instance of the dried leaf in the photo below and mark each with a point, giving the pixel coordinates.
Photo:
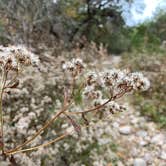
(14, 85)
(74, 124)
(85, 119)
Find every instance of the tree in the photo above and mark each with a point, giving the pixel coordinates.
(23, 16)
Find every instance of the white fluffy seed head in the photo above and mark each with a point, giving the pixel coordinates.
(114, 82)
(113, 107)
(13, 57)
(137, 81)
(91, 78)
(74, 67)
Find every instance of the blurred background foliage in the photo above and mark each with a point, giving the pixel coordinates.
(69, 20)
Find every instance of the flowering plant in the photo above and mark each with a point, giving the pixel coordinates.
(98, 92)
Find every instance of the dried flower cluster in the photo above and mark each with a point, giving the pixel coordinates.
(101, 86)
(14, 57)
(74, 67)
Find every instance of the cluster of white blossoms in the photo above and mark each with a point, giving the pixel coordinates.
(13, 57)
(99, 86)
(74, 67)
(90, 93)
(117, 80)
(112, 107)
(137, 81)
(91, 78)
(112, 77)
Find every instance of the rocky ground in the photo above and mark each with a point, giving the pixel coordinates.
(140, 141)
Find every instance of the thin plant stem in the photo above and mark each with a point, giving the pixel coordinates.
(99, 106)
(1, 121)
(50, 142)
(3, 82)
(91, 109)
(39, 146)
(48, 123)
(58, 114)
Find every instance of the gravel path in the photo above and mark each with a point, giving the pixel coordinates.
(141, 142)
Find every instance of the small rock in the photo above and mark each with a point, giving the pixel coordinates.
(134, 152)
(151, 127)
(163, 155)
(143, 143)
(134, 120)
(120, 163)
(137, 113)
(148, 157)
(142, 119)
(158, 139)
(164, 147)
(126, 130)
(115, 125)
(139, 162)
(142, 133)
(147, 138)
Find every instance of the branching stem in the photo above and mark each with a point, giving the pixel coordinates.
(47, 124)
(2, 86)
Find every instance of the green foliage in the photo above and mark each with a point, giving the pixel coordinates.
(148, 36)
(70, 8)
(78, 96)
(3, 38)
(153, 110)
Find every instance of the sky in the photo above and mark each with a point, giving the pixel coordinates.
(141, 10)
